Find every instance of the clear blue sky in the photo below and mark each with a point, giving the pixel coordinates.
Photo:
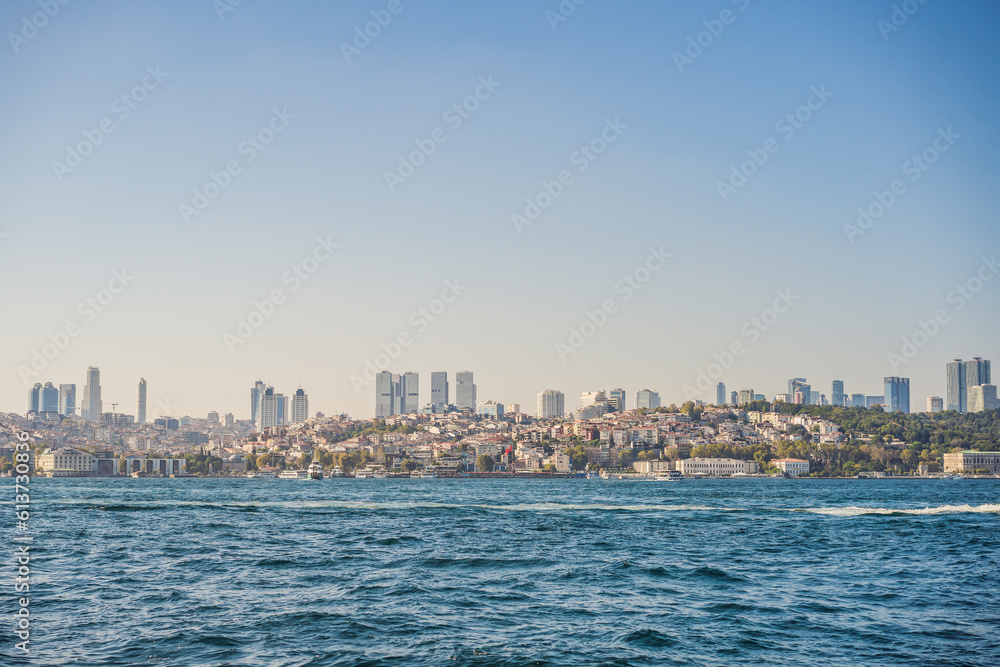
(323, 175)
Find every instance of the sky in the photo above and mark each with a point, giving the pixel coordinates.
(659, 178)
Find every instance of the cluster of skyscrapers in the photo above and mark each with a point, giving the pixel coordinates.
(268, 408)
(968, 386)
(397, 394)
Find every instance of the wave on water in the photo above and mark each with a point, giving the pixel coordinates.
(896, 511)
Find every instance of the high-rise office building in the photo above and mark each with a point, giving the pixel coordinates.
(982, 397)
(267, 410)
(255, 393)
(551, 403)
(935, 404)
(897, 394)
(734, 398)
(140, 412)
(300, 406)
(465, 391)
(282, 406)
(35, 397)
(92, 404)
(230, 420)
(48, 399)
(720, 394)
(213, 417)
(837, 394)
(617, 400)
(872, 401)
(647, 399)
(385, 395)
(858, 401)
(589, 398)
(782, 398)
(813, 397)
(409, 393)
(745, 396)
(67, 399)
(439, 390)
(794, 384)
(977, 372)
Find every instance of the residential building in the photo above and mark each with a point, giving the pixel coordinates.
(551, 403)
(935, 404)
(439, 390)
(300, 407)
(897, 394)
(140, 412)
(792, 467)
(268, 411)
(465, 390)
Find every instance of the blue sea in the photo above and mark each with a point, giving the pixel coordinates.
(512, 572)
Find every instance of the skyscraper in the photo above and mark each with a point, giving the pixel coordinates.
(794, 384)
(409, 393)
(140, 411)
(982, 397)
(282, 409)
(745, 396)
(267, 410)
(439, 390)
(34, 397)
(48, 399)
(935, 404)
(617, 400)
(465, 391)
(897, 394)
(858, 401)
(67, 399)
(385, 395)
(645, 398)
(720, 394)
(837, 394)
(300, 406)
(551, 403)
(734, 398)
(92, 405)
(255, 393)
(977, 372)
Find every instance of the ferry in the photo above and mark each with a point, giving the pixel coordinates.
(294, 474)
(264, 473)
(417, 474)
(315, 470)
(668, 476)
(380, 474)
(336, 472)
(362, 474)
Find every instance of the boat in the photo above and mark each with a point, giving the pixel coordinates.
(336, 472)
(668, 476)
(593, 475)
(294, 474)
(315, 470)
(138, 473)
(423, 474)
(380, 474)
(263, 473)
(362, 474)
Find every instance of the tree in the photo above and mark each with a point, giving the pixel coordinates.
(409, 465)
(484, 463)
(5, 464)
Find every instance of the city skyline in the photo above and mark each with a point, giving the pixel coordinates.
(440, 385)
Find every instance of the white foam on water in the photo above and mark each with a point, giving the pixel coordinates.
(943, 509)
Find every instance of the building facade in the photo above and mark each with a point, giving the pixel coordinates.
(792, 467)
(970, 460)
(92, 405)
(897, 394)
(716, 467)
(439, 390)
(551, 403)
(465, 391)
(300, 407)
(648, 399)
(140, 408)
(67, 400)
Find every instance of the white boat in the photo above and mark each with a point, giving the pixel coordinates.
(422, 474)
(668, 476)
(264, 473)
(380, 474)
(336, 472)
(294, 474)
(362, 474)
(315, 470)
